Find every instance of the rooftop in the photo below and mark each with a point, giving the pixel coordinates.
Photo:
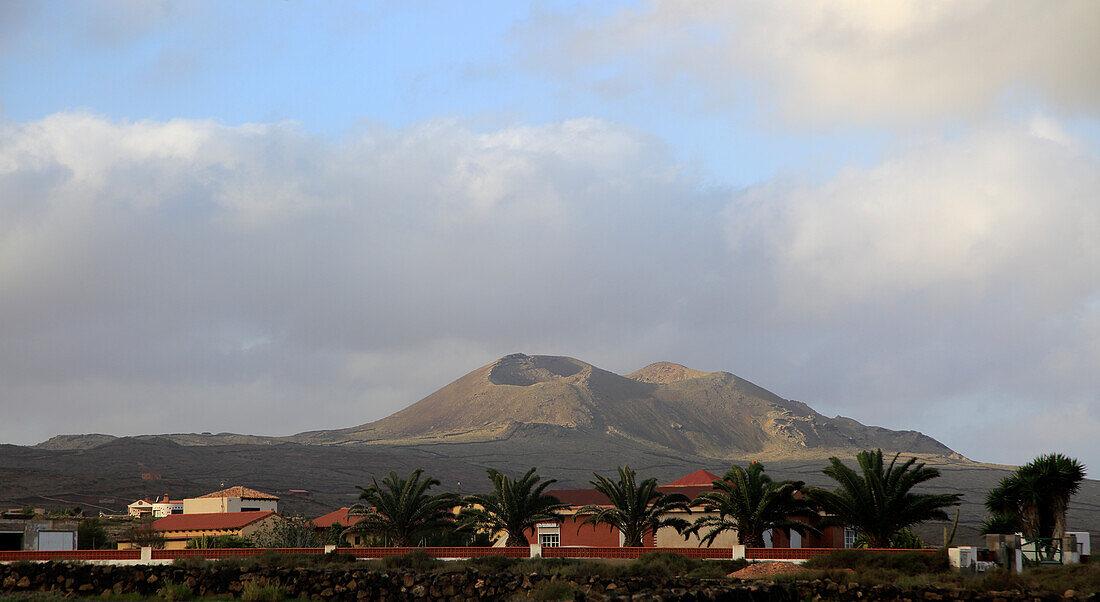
(336, 517)
(214, 521)
(242, 492)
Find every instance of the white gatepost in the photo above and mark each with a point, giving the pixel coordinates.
(738, 552)
(536, 551)
(147, 554)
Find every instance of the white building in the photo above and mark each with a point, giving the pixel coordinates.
(157, 508)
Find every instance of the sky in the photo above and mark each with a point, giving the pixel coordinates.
(272, 217)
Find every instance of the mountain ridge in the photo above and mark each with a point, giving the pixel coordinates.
(664, 406)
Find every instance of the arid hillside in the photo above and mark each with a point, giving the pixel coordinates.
(665, 405)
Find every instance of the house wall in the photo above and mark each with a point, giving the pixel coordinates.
(831, 537)
(207, 505)
(572, 533)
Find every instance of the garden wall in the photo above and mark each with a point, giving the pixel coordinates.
(457, 585)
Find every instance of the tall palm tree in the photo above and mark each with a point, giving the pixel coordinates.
(401, 510)
(637, 509)
(750, 502)
(514, 506)
(1037, 495)
(880, 503)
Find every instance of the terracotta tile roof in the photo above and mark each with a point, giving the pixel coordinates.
(691, 486)
(698, 478)
(208, 522)
(580, 497)
(242, 492)
(336, 517)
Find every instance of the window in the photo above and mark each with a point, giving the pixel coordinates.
(849, 537)
(549, 540)
(250, 509)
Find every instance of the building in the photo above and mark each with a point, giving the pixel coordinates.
(37, 534)
(568, 531)
(157, 508)
(340, 517)
(234, 499)
(178, 529)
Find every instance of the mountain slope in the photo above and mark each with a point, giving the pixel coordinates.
(664, 406)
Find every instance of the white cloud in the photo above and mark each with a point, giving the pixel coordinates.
(959, 268)
(822, 63)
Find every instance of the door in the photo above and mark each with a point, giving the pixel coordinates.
(56, 540)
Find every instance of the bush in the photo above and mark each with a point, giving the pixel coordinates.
(174, 591)
(906, 563)
(554, 590)
(496, 564)
(220, 541)
(255, 591)
(418, 560)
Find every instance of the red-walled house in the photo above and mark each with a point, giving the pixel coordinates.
(569, 532)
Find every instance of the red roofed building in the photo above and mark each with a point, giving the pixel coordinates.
(179, 528)
(340, 517)
(569, 532)
(234, 499)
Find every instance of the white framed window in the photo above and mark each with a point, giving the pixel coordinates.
(849, 537)
(549, 540)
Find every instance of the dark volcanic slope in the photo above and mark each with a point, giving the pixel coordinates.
(664, 405)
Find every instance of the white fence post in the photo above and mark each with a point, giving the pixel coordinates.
(738, 552)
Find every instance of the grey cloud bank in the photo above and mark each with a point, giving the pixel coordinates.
(188, 276)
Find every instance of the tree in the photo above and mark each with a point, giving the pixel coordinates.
(90, 535)
(290, 532)
(880, 502)
(1034, 499)
(514, 506)
(143, 536)
(402, 510)
(750, 502)
(637, 509)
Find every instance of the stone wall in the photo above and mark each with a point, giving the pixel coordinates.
(458, 585)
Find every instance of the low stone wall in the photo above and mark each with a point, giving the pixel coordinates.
(459, 585)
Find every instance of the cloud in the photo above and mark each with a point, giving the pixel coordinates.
(823, 63)
(186, 255)
(186, 275)
(956, 270)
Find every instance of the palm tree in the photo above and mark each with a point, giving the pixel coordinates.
(750, 502)
(401, 510)
(637, 509)
(1037, 495)
(514, 506)
(880, 503)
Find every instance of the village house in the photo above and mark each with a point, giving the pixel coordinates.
(233, 499)
(157, 507)
(569, 532)
(178, 529)
(340, 517)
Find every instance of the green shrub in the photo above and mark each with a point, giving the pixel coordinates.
(255, 591)
(906, 563)
(496, 564)
(553, 590)
(418, 560)
(716, 569)
(191, 563)
(174, 591)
